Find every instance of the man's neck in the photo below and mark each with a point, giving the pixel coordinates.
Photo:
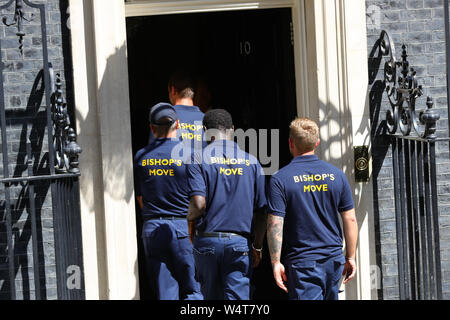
(220, 136)
(168, 136)
(309, 153)
(184, 102)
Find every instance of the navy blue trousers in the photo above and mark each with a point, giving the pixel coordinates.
(223, 267)
(314, 280)
(169, 260)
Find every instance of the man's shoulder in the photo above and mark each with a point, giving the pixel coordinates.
(142, 152)
(155, 147)
(249, 156)
(189, 109)
(252, 160)
(284, 172)
(198, 114)
(330, 167)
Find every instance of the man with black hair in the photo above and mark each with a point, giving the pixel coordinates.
(226, 190)
(161, 190)
(181, 96)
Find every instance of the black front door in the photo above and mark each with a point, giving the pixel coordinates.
(245, 61)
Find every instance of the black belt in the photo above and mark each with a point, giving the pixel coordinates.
(218, 234)
(164, 217)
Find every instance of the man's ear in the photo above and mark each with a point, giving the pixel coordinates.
(178, 125)
(292, 147)
(172, 90)
(231, 131)
(291, 144)
(317, 143)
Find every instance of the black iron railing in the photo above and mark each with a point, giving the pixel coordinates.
(413, 136)
(61, 176)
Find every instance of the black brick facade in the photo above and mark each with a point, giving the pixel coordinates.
(420, 25)
(26, 121)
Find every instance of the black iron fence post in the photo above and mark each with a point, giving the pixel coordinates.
(413, 136)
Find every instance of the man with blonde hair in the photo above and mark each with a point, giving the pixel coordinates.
(305, 200)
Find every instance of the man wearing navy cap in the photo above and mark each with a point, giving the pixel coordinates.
(305, 200)
(226, 190)
(161, 190)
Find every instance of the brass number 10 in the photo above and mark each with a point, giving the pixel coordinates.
(245, 47)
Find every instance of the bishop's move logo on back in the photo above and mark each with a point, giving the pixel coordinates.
(166, 165)
(191, 131)
(321, 181)
(233, 162)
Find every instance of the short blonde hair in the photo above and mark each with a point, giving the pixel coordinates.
(305, 134)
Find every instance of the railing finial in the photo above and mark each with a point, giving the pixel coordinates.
(429, 118)
(402, 94)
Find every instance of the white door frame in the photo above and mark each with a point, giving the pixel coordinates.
(325, 43)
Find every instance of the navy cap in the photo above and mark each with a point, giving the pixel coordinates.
(160, 111)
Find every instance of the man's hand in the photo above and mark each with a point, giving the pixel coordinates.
(351, 238)
(191, 228)
(280, 275)
(259, 227)
(140, 201)
(349, 270)
(197, 205)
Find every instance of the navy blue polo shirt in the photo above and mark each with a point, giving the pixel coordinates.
(232, 181)
(160, 178)
(191, 125)
(309, 194)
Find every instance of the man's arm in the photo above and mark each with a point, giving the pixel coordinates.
(274, 241)
(260, 228)
(260, 225)
(197, 205)
(140, 201)
(350, 226)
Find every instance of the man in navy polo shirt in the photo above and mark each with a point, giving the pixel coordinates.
(305, 200)
(181, 96)
(161, 189)
(226, 190)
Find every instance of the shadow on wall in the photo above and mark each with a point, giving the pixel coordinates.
(20, 195)
(112, 159)
(338, 150)
(380, 141)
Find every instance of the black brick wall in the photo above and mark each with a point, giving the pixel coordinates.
(26, 120)
(420, 25)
